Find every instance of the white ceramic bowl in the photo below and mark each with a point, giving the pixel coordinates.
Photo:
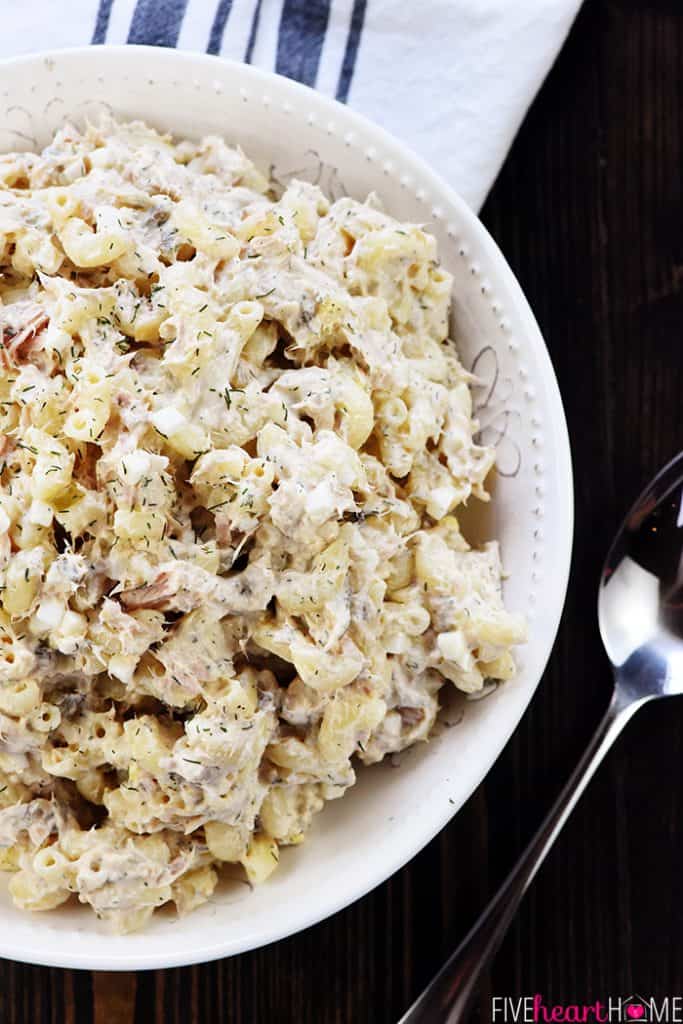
(393, 811)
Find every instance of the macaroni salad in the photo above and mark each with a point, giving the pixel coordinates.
(234, 439)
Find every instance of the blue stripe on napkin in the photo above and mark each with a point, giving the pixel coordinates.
(102, 22)
(218, 27)
(253, 32)
(351, 51)
(300, 41)
(157, 24)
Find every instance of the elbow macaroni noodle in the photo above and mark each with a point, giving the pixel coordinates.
(235, 436)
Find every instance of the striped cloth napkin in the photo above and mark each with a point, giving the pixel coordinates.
(452, 78)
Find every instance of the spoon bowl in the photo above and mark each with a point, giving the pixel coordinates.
(640, 598)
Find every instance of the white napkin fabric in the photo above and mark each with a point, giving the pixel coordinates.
(451, 78)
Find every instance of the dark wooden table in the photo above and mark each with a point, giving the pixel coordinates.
(588, 210)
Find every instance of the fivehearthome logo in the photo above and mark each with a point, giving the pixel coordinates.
(633, 1009)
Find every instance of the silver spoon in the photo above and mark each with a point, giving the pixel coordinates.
(640, 611)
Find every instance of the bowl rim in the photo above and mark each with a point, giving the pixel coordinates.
(410, 845)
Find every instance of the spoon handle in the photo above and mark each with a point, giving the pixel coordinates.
(447, 997)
